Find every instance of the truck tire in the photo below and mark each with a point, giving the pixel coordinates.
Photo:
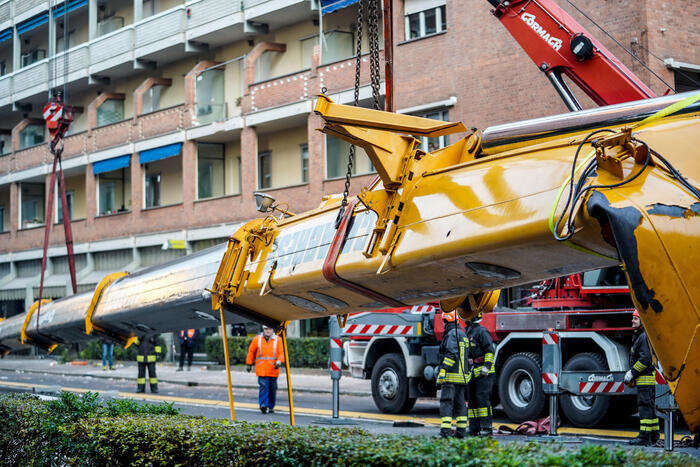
(520, 387)
(585, 411)
(390, 385)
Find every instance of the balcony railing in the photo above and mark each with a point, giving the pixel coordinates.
(5, 89)
(210, 112)
(112, 49)
(22, 6)
(65, 63)
(31, 79)
(205, 11)
(5, 12)
(159, 27)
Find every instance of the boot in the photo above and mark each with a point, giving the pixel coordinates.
(154, 390)
(263, 409)
(461, 433)
(654, 437)
(179, 368)
(642, 439)
(445, 432)
(140, 390)
(486, 432)
(270, 410)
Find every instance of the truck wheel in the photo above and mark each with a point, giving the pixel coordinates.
(520, 387)
(585, 411)
(390, 385)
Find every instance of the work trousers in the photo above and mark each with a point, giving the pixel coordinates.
(189, 350)
(480, 411)
(453, 406)
(648, 421)
(152, 378)
(267, 391)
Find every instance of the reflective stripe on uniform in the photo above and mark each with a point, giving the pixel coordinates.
(446, 422)
(462, 421)
(448, 361)
(471, 413)
(482, 412)
(153, 380)
(639, 366)
(158, 349)
(649, 424)
(488, 357)
(646, 380)
(151, 358)
(139, 358)
(140, 380)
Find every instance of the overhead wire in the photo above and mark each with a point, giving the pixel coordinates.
(631, 54)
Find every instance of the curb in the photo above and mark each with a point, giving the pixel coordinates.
(181, 383)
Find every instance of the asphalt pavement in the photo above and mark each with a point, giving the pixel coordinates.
(203, 392)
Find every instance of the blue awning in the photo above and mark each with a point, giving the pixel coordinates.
(329, 6)
(33, 23)
(108, 165)
(162, 152)
(69, 6)
(6, 35)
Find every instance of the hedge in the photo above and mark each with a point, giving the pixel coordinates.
(82, 432)
(306, 352)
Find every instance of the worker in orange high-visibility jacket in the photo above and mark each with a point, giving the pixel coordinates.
(266, 353)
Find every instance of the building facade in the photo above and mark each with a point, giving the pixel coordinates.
(184, 108)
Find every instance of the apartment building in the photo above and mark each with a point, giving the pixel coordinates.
(184, 108)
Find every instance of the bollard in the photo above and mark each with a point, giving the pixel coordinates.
(335, 369)
(551, 369)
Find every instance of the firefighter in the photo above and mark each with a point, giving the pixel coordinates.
(146, 358)
(641, 375)
(481, 350)
(453, 377)
(266, 353)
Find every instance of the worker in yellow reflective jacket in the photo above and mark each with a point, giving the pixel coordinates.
(453, 377)
(481, 349)
(148, 349)
(641, 375)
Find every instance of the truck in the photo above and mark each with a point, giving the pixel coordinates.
(397, 348)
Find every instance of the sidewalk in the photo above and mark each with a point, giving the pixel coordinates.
(303, 379)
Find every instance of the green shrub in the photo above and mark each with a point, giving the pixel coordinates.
(38, 433)
(307, 352)
(92, 350)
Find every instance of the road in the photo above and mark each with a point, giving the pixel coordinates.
(310, 407)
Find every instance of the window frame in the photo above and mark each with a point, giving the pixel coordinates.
(42, 132)
(70, 198)
(440, 23)
(304, 148)
(146, 186)
(443, 141)
(223, 170)
(97, 113)
(267, 155)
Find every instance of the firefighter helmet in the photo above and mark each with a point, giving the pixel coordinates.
(635, 313)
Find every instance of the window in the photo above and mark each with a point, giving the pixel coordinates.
(33, 56)
(424, 18)
(5, 144)
(337, 46)
(439, 142)
(337, 153)
(110, 24)
(111, 111)
(210, 170)
(3, 68)
(60, 41)
(209, 92)
(686, 80)
(31, 135)
(304, 163)
(307, 50)
(151, 99)
(32, 205)
(69, 201)
(2, 218)
(152, 190)
(264, 65)
(114, 191)
(264, 170)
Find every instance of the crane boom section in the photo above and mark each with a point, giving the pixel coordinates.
(559, 45)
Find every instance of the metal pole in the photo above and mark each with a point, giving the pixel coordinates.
(390, 100)
(224, 341)
(553, 402)
(668, 431)
(289, 377)
(335, 355)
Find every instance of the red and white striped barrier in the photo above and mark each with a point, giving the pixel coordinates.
(550, 339)
(336, 344)
(421, 308)
(335, 366)
(377, 329)
(550, 378)
(601, 387)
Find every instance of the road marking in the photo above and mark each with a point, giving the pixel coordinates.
(311, 411)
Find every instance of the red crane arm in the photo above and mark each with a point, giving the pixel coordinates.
(559, 45)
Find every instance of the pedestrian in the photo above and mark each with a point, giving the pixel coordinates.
(641, 375)
(481, 349)
(265, 352)
(146, 358)
(107, 355)
(453, 377)
(238, 329)
(188, 338)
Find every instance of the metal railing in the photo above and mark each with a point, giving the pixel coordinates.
(159, 26)
(204, 11)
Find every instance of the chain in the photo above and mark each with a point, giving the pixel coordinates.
(373, 29)
(358, 68)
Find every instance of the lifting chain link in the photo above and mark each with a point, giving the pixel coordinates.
(375, 79)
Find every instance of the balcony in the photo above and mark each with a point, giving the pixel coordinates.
(5, 13)
(5, 90)
(31, 80)
(113, 50)
(71, 64)
(214, 21)
(161, 36)
(27, 8)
